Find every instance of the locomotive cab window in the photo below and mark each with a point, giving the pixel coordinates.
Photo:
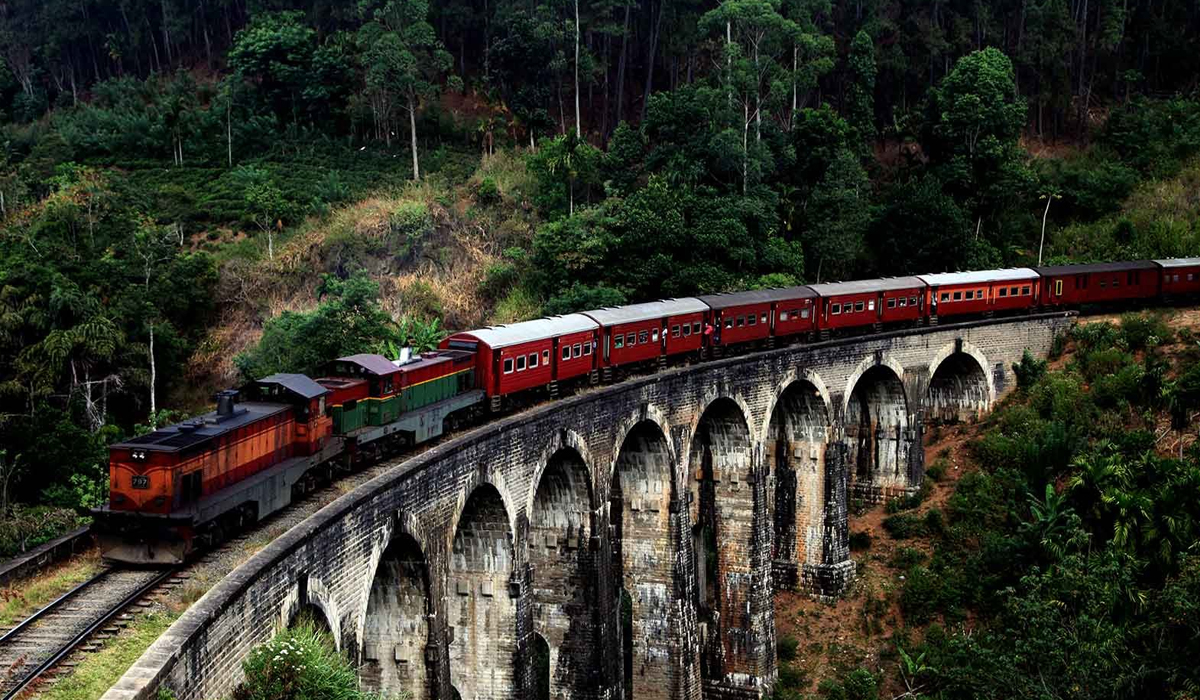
(387, 386)
(508, 366)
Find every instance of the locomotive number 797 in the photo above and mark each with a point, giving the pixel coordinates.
(141, 482)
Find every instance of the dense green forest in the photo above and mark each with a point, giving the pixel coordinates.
(181, 179)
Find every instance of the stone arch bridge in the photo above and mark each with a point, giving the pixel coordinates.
(625, 542)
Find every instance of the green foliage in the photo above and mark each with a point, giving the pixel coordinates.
(904, 526)
(348, 320)
(1029, 370)
(906, 558)
(298, 663)
(25, 527)
(860, 541)
(786, 647)
(859, 684)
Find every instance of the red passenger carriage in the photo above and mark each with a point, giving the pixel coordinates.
(645, 332)
(1180, 276)
(1063, 285)
(521, 356)
(742, 317)
(980, 292)
(863, 303)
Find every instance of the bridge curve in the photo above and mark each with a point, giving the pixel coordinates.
(663, 496)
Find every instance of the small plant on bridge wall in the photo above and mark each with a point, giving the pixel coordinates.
(298, 664)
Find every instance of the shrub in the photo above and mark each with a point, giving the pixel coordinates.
(1142, 331)
(786, 647)
(921, 596)
(860, 541)
(488, 192)
(298, 663)
(498, 279)
(1029, 370)
(1096, 336)
(907, 558)
(934, 523)
(937, 470)
(1103, 362)
(860, 684)
(904, 526)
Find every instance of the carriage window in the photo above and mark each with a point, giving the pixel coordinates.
(521, 363)
(835, 309)
(912, 301)
(764, 318)
(643, 336)
(619, 342)
(970, 295)
(533, 362)
(729, 322)
(1116, 282)
(783, 316)
(587, 348)
(804, 313)
(1025, 289)
(687, 329)
(1190, 277)
(1103, 283)
(545, 357)
(871, 305)
(891, 303)
(674, 331)
(1004, 291)
(903, 302)
(508, 366)
(752, 320)
(858, 306)
(566, 352)
(1129, 277)
(654, 335)
(1175, 278)
(696, 327)
(630, 339)
(577, 350)
(958, 296)
(945, 296)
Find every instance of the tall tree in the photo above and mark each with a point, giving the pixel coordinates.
(860, 88)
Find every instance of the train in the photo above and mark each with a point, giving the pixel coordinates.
(185, 487)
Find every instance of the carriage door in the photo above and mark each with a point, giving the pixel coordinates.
(1058, 288)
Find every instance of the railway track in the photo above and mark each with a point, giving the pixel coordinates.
(46, 638)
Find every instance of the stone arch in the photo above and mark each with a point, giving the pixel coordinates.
(879, 436)
(559, 531)
(396, 622)
(797, 436)
(571, 441)
(480, 607)
(309, 596)
(644, 540)
(960, 386)
(723, 488)
(879, 358)
(542, 656)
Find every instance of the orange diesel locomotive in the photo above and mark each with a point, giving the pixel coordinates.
(184, 485)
